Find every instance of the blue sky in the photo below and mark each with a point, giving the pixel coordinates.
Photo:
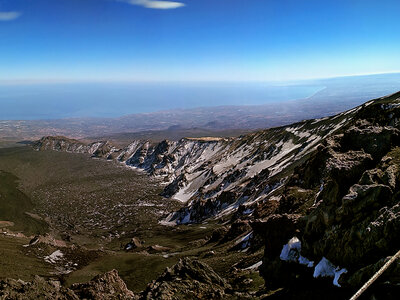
(196, 40)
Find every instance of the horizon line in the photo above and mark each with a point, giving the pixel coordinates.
(149, 81)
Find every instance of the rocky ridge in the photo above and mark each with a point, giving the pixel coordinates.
(107, 286)
(321, 195)
(215, 175)
(188, 279)
(342, 207)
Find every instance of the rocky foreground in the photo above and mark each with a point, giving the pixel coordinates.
(107, 286)
(188, 279)
(321, 196)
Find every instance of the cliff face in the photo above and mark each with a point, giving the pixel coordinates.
(341, 204)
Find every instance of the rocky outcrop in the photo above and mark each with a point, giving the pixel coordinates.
(108, 286)
(355, 221)
(346, 198)
(60, 143)
(103, 149)
(105, 286)
(188, 279)
(39, 288)
(276, 230)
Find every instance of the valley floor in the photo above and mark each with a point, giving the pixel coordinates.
(85, 211)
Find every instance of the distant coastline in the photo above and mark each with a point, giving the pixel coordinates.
(58, 101)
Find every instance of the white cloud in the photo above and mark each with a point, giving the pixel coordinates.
(9, 15)
(156, 4)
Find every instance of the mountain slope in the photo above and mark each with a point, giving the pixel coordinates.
(321, 195)
(216, 172)
(339, 209)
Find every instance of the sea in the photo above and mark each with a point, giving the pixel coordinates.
(30, 101)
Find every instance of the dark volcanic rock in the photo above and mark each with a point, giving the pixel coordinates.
(157, 249)
(39, 288)
(346, 198)
(276, 230)
(218, 234)
(106, 286)
(188, 279)
(363, 225)
(237, 228)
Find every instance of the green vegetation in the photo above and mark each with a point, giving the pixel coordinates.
(98, 205)
(15, 263)
(14, 206)
(136, 269)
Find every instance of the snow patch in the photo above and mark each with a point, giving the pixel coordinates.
(245, 241)
(255, 266)
(248, 211)
(291, 252)
(326, 269)
(319, 120)
(183, 195)
(284, 149)
(390, 106)
(168, 221)
(299, 133)
(54, 257)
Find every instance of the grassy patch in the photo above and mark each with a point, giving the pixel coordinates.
(15, 263)
(13, 207)
(136, 269)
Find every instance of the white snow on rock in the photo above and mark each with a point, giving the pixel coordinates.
(183, 195)
(273, 163)
(297, 132)
(291, 252)
(326, 269)
(337, 276)
(245, 240)
(255, 266)
(54, 257)
(248, 211)
(168, 221)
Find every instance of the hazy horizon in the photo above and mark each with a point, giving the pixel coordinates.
(27, 101)
(68, 100)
